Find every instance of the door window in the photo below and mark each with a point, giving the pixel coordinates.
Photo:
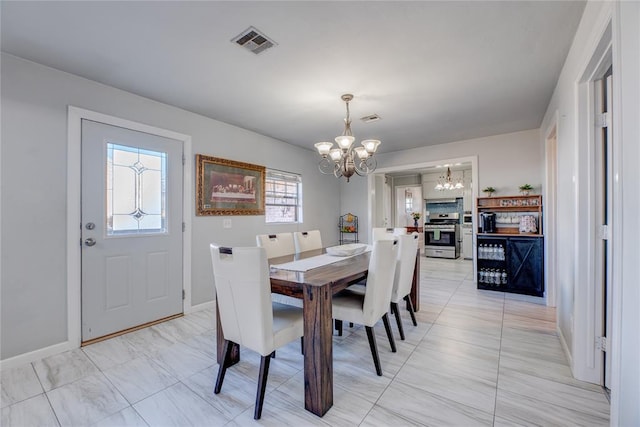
(136, 190)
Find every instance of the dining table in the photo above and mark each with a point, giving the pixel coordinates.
(315, 287)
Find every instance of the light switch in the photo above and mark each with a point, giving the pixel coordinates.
(226, 223)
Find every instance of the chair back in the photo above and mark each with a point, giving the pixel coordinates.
(382, 267)
(276, 244)
(243, 293)
(381, 233)
(405, 266)
(307, 240)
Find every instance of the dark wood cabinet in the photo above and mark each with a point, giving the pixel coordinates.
(511, 264)
(512, 258)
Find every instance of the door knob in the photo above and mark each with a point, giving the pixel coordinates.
(90, 241)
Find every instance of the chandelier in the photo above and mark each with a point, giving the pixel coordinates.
(346, 159)
(445, 183)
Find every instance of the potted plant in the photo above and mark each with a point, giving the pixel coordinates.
(416, 217)
(489, 191)
(525, 189)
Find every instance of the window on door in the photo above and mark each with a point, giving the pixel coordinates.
(283, 197)
(136, 190)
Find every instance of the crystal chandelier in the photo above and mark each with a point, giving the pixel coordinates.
(445, 183)
(347, 160)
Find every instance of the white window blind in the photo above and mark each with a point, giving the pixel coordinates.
(283, 197)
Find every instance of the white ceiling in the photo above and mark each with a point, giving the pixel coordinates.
(435, 71)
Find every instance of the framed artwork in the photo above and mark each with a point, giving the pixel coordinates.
(227, 187)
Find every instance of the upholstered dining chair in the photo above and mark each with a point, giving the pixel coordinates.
(276, 244)
(247, 314)
(307, 240)
(381, 233)
(404, 278)
(279, 245)
(366, 309)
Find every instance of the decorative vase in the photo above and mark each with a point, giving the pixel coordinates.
(525, 192)
(415, 223)
(489, 193)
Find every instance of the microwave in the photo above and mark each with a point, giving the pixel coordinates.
(467, 218)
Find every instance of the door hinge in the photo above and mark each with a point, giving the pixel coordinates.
(184, 159)
(605, 232)
(184, 227)
(183, 294)
(601, 343)
(603, 120)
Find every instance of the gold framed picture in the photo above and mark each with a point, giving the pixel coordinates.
(227, 187)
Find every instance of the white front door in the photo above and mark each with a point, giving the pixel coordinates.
(131, 228)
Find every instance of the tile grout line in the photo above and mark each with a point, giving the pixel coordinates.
(413, 351)
(495, 403)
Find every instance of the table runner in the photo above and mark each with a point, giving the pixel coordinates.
(313, 262)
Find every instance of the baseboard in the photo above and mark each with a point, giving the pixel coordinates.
(565, 347)
(32, 356)
(203, 306)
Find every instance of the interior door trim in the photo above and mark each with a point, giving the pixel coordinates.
(74, 160)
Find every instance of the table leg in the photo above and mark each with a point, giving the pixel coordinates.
(415, 285)
(235, 351)
(318, 349)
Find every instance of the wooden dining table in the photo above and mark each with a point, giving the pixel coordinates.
(315, 288)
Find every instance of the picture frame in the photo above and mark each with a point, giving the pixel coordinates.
(228, 187)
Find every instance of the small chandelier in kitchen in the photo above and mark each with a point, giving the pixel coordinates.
(445, 183)
(347, 160)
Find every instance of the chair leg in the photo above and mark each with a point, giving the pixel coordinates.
(411, 312)
(387, 327)
(338, 327)
(374, 349)
(226, 351)
(396, 311)
(262, 385)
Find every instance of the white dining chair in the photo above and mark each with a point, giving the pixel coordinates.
(403, 278)
(247, 314)
(366, 309)
(276, 244)
(307, 240)
(381, 233)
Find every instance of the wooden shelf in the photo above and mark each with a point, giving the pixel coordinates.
(512, 205)
(523, 262)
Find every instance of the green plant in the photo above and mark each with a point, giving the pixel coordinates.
(525, 187)
(489, 190)
(415, 215)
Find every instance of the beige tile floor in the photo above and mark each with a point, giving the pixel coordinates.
(476, 358)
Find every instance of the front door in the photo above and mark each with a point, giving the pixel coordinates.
(131, 228)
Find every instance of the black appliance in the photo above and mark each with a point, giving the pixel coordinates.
(487, 222)
(442, 235)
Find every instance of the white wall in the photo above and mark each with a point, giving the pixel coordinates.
(626, 334)
(34, 172)
(504, 162)
(575, 309)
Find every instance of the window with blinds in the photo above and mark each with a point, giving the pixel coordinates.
(283, 197)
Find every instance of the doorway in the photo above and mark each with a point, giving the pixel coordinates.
(74, 233)
(131, 229)
(603, 255)
(407, 201)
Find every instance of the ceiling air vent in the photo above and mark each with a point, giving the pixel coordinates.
(371, 118)
(253, 40)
